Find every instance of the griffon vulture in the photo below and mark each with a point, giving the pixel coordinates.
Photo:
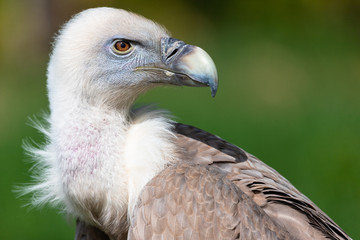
(137, 174)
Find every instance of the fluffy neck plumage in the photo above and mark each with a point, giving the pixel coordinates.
(97, 161)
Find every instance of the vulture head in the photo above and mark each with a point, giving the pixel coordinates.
(110, 56)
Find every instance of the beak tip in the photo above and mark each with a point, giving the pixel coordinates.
(213, 90)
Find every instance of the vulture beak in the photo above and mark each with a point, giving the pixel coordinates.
(192, 65)
(185, 65)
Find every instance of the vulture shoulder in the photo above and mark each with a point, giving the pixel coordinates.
(275, 195)
(192, 201)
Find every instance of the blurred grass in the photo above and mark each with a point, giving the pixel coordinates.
(289, 94)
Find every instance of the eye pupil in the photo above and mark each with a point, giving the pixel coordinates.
(122, 46)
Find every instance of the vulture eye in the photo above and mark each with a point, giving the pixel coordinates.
(122, 47)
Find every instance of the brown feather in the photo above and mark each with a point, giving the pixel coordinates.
(87, 232)
(265, 186)
(212, 208)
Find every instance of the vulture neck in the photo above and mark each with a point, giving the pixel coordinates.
(107, 150)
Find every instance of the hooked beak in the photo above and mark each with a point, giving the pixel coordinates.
(185, 65)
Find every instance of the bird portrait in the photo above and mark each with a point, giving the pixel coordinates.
(128, 172)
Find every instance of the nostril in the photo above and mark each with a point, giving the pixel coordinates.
(171, 49)
(172, 54)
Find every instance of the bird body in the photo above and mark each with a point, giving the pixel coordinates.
(120, 170)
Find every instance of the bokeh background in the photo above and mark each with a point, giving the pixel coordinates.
(289, 93)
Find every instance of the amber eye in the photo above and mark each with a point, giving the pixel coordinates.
(122, 46)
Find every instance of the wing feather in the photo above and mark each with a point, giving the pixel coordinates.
(265, 186)
(204, 205)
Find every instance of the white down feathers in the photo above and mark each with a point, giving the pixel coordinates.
(98, 157)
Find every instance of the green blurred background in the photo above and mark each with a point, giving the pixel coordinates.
(289, 93)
